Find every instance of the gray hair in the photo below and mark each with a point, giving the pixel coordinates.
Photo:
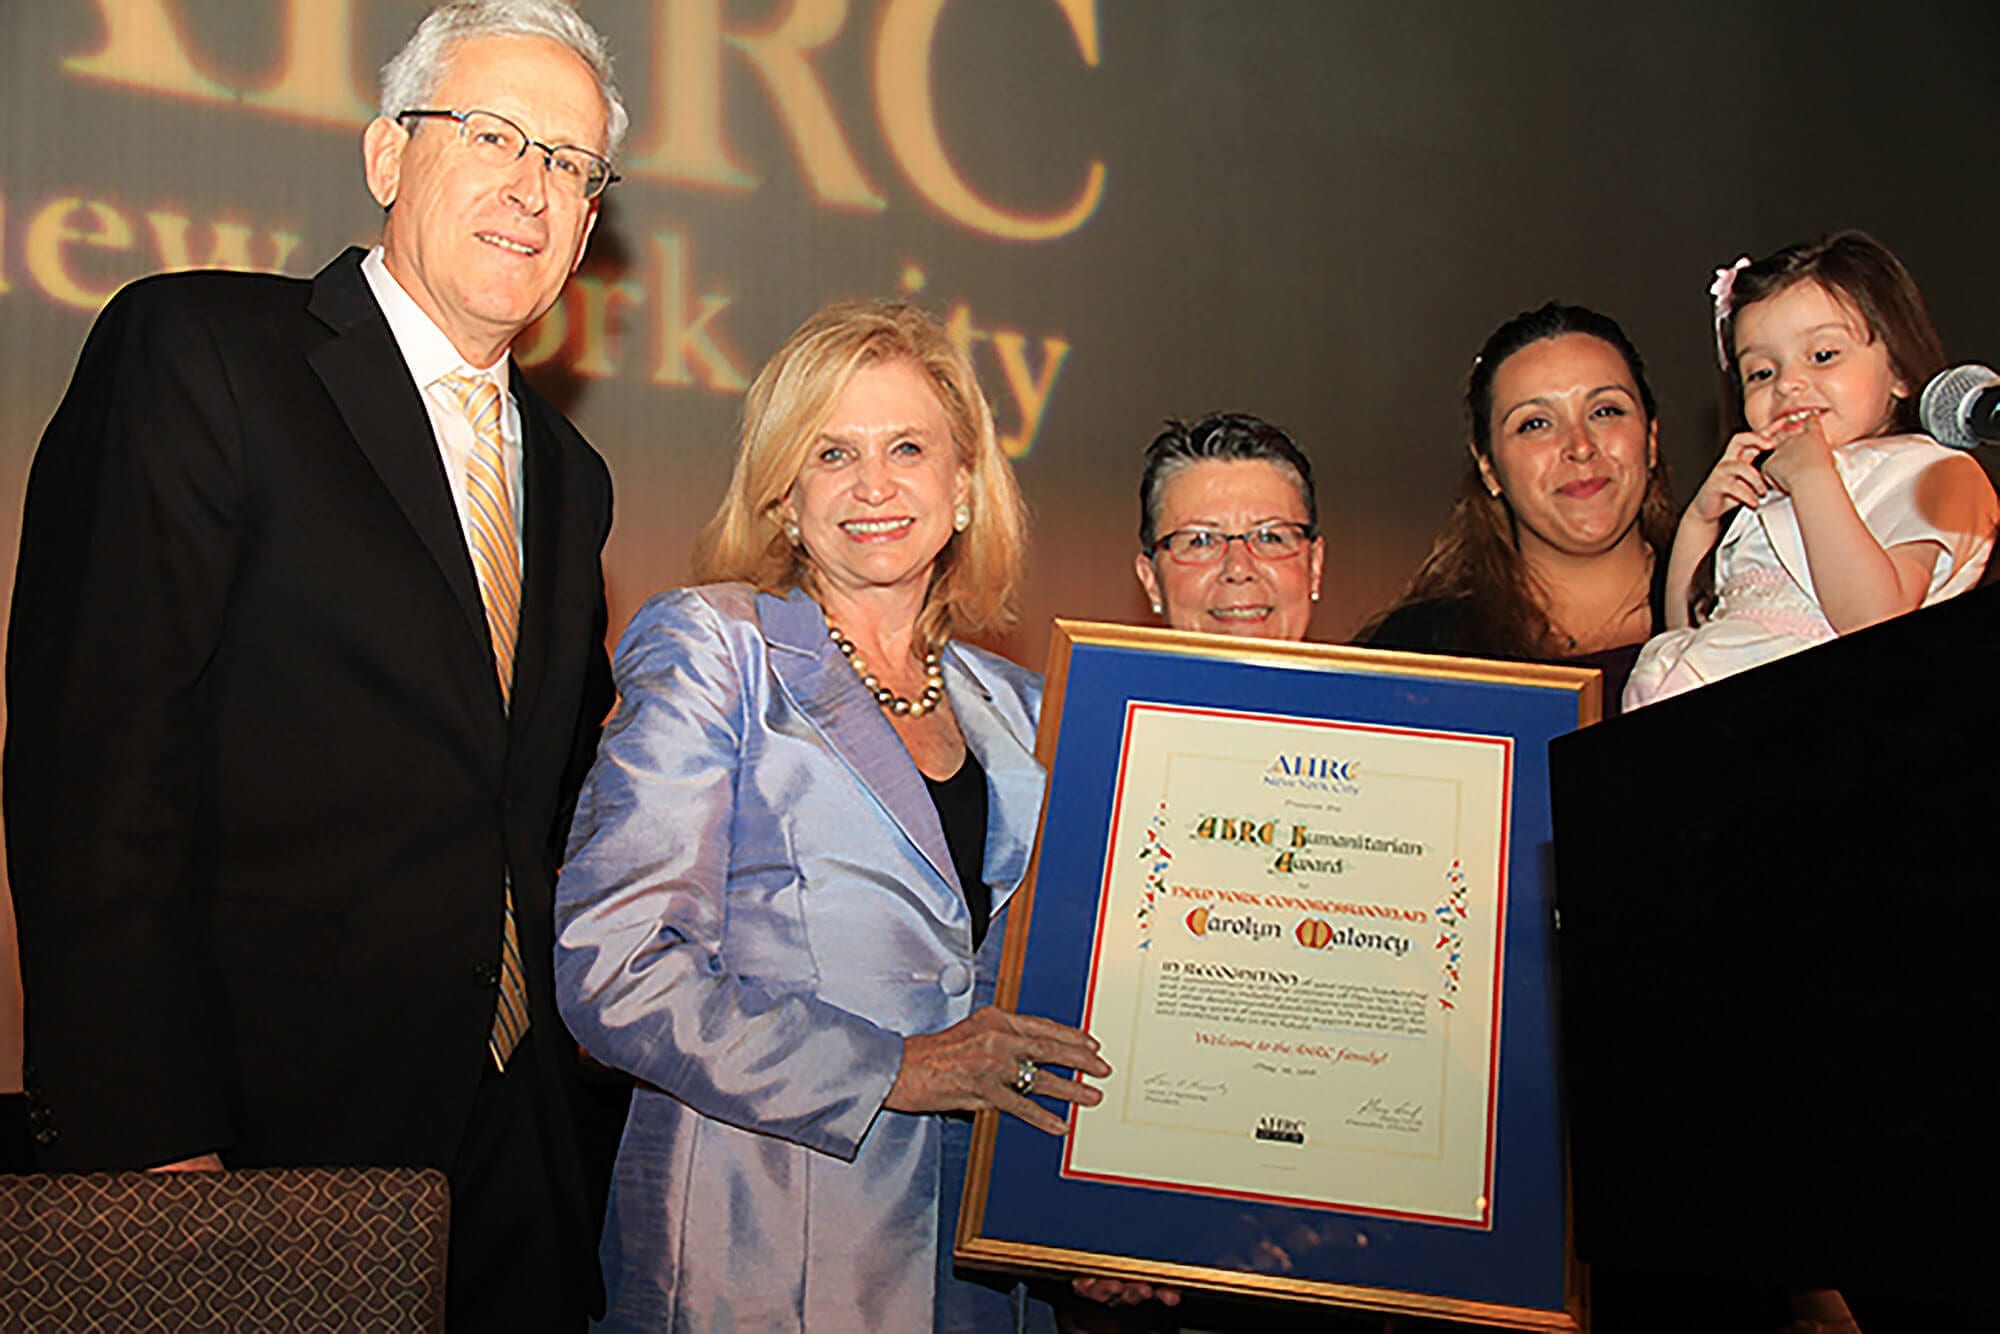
(414, 72)
(1232, 437)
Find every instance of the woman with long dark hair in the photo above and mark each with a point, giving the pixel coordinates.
(1551, 552)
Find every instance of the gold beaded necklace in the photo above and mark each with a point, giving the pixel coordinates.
(891, 702)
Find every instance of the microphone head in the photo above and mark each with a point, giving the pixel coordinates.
(1946, 397)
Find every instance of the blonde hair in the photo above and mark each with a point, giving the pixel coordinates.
(975, 583)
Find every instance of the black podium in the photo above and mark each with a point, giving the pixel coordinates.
(1780, 955)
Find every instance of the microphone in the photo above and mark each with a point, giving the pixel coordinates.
(1961, 407)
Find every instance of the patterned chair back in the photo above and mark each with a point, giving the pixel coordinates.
(303, 1249)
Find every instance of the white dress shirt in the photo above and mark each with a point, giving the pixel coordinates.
(430, 356)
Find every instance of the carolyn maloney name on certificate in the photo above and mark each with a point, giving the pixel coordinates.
(1296, 970)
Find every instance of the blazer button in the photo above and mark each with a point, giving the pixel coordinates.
(954, 979)
(486, 974)
(47, 1135)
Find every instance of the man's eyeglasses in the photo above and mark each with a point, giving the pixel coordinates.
(1205, 546)
(499, 142)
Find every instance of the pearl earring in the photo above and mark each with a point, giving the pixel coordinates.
(961, 517)
(792, 531)
(1157, 609)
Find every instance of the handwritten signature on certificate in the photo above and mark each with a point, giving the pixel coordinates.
(1379, 1114)
(1169, 1090)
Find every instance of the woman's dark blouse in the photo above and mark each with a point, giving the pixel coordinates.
(1445, 625)
(961, 807)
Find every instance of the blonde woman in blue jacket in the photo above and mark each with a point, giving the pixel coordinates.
(781, 903)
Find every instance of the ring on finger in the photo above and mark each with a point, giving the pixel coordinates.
(1024, 1076)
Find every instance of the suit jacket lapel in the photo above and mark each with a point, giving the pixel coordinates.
(541, 546)
(364, 372)
(1005, 747)
(818, 679)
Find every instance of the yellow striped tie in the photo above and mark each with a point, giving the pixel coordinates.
(496, 558)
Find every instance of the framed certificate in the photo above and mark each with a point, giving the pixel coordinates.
(1301, 896)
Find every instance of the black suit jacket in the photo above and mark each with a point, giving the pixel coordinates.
(262, 793)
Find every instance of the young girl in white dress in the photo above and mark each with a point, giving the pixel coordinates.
(1843, 514)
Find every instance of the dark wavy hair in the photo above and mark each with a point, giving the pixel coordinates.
(1477, 558)
(1860, 272)
(1228, 436)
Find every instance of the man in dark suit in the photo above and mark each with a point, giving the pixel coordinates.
(306, 663)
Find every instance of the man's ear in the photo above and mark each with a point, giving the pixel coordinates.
(382, 145)
(583, 246)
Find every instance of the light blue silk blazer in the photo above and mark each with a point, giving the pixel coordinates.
(758, 904)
